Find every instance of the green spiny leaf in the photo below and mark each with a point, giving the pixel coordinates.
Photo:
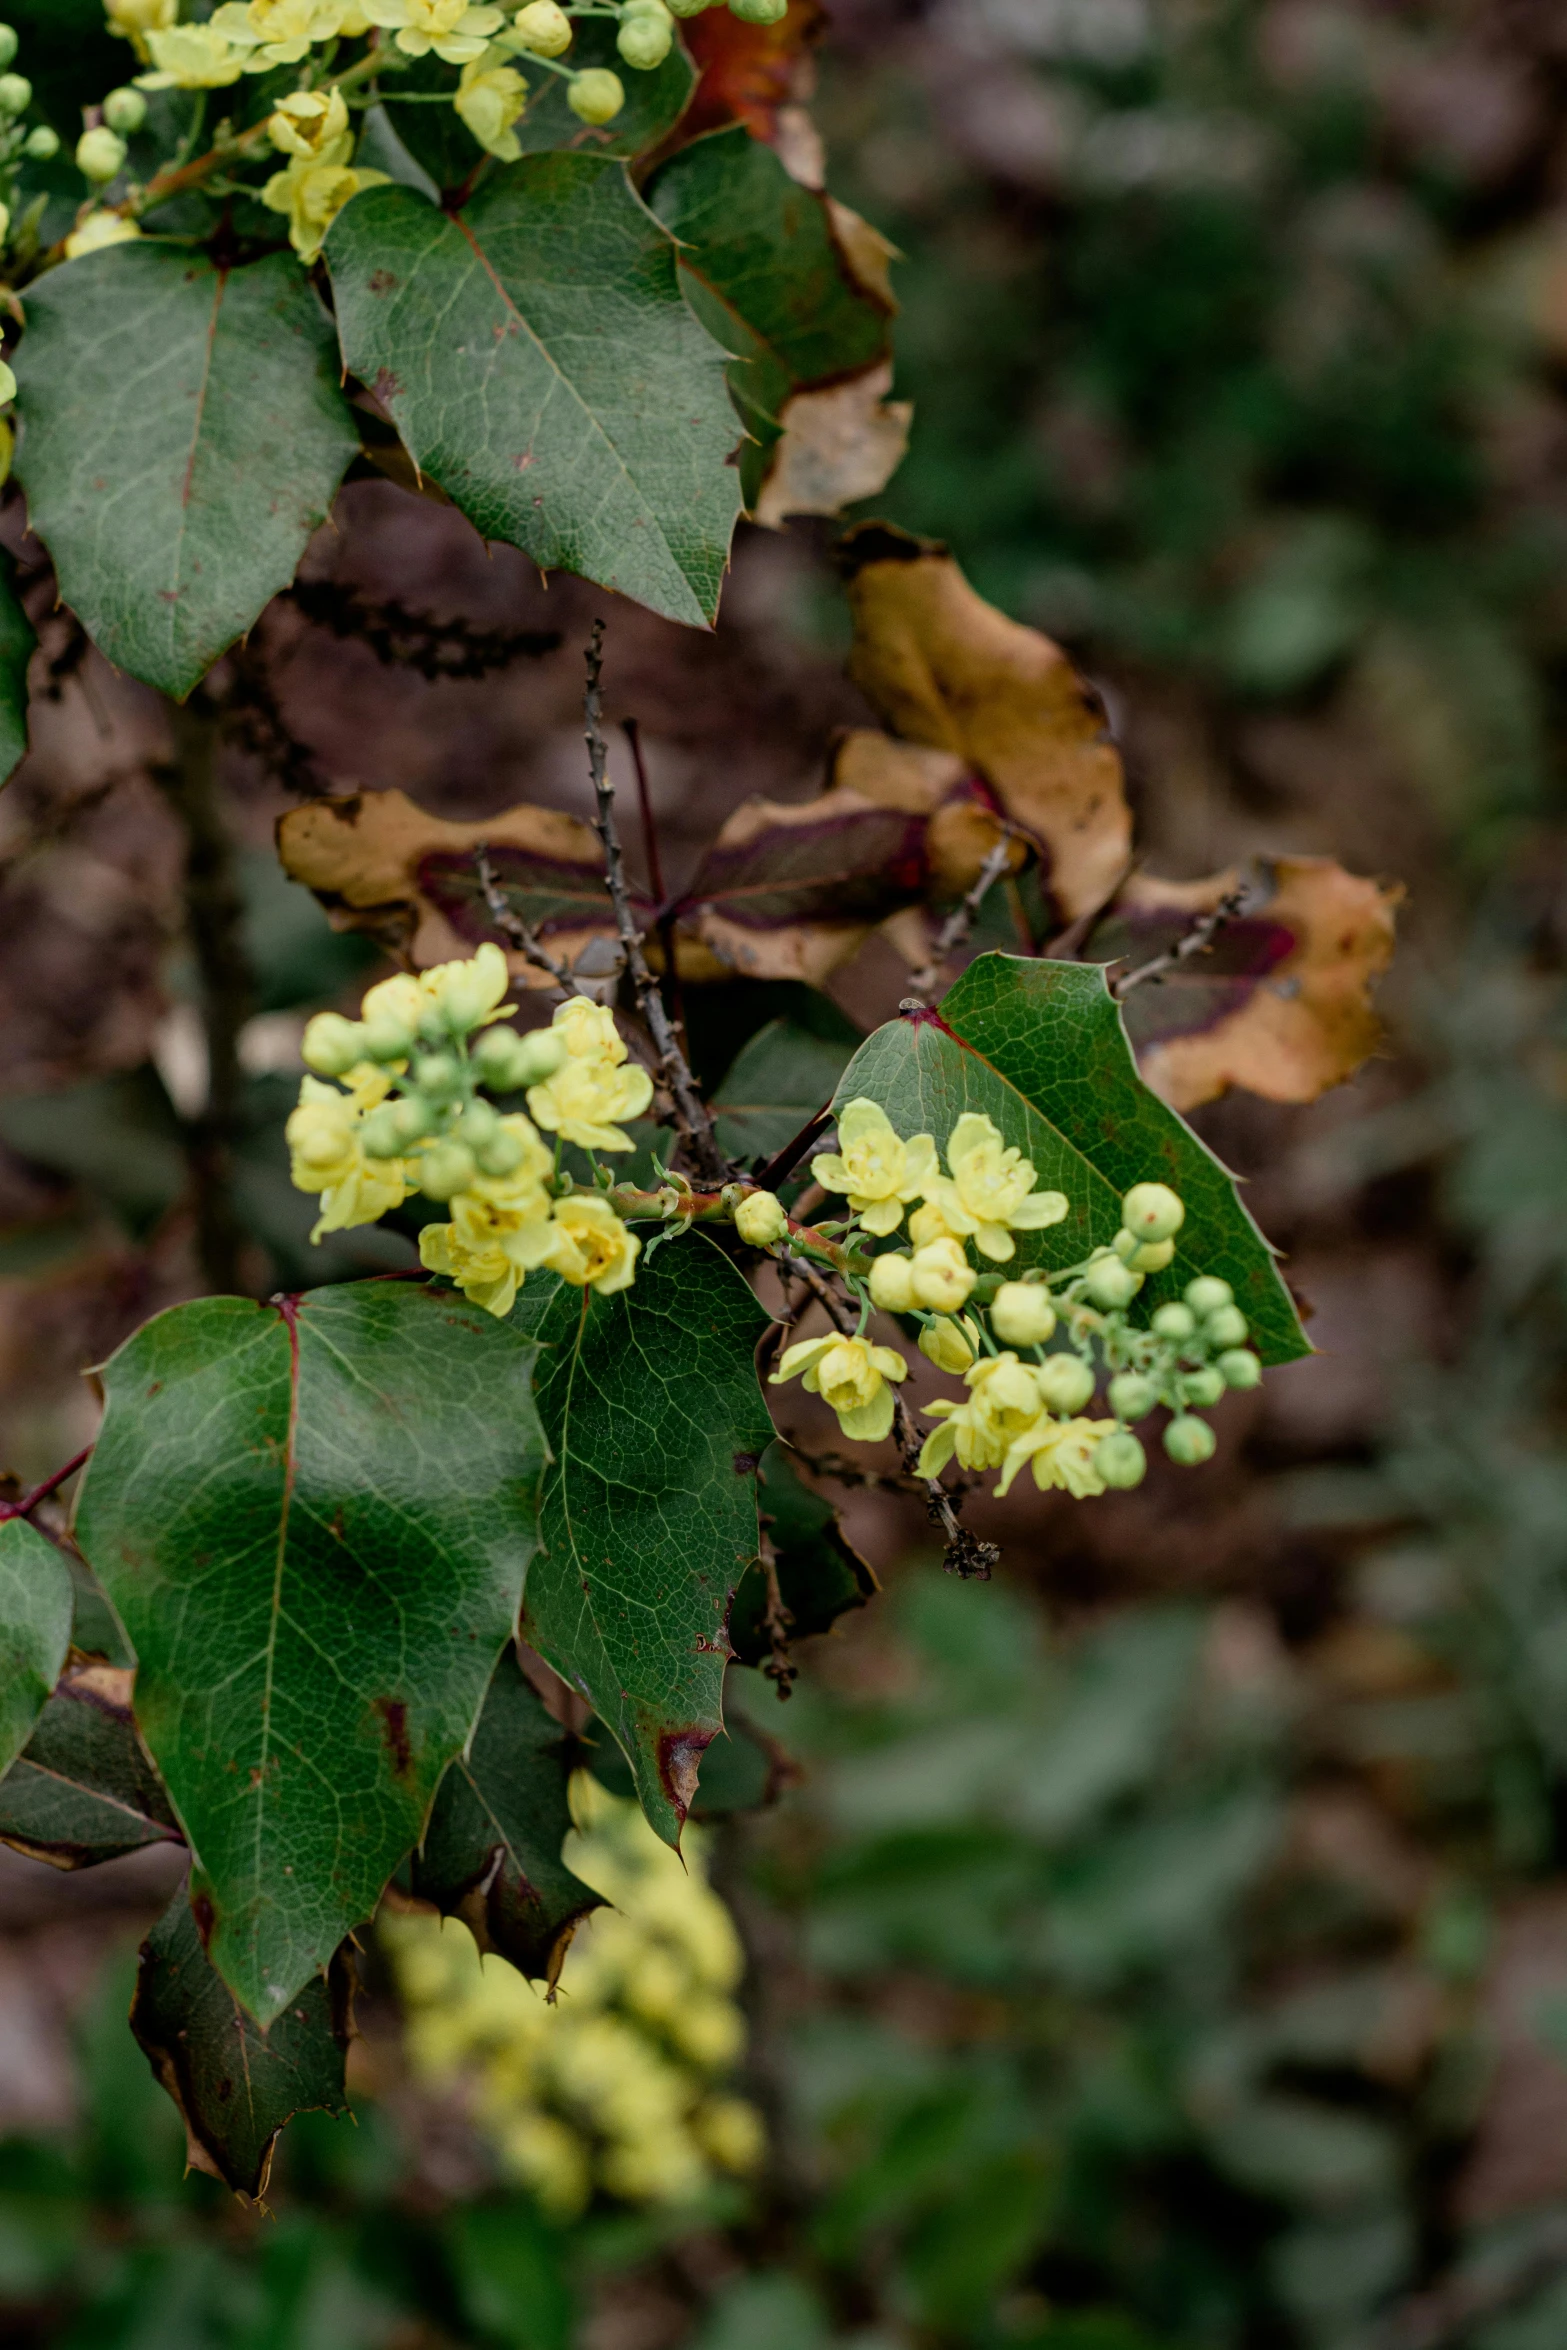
(36, 1599)
(17, 644)
(184, 432)
(782, 1077)
(314, 1519)
(82, 1789)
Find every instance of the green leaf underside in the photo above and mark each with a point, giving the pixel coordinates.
(82, 1790)
(184, 432)
(314, 1519)
(651, 1405)
(763, 272)
(491, 1854)
(235, 2085)
(820, 1575)
(17, 643)
(539, 360)
(782, 1077)
(1214, 987)
(36, 1601)
(1039, 1047)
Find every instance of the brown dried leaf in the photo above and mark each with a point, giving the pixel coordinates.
(1281, 1002)
(945, 668)
(750, 72)
(840, 443)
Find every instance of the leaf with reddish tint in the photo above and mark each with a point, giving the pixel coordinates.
(83, 1788)
(749, 72)
(656, 1422)
(236, 2086)
(1280, 1003)
(491, 1854)
(313, 1518)
(944, 668)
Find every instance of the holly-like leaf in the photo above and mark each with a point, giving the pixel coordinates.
(538, 358)
(313, 1518)
(821, 1576)
(782, 1077)
(36, 1600)
(184, 432)
(83, 1789)
(491, 1854)
(236, 2086)
(1280, 1003)
(17, 645)
(1039, 1047)
(944, 668)
(656, 1421)
(767, 273)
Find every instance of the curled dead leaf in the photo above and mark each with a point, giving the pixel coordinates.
(840, 443)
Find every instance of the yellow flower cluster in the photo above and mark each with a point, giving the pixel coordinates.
(311, 128)
(988, 1195)
(851, 1376)
(1009, 1420)
(596, 1086)
(620, 2087)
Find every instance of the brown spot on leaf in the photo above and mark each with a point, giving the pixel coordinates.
(680, 1755)
(394, 1729)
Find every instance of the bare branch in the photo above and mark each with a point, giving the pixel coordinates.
(954, 931)
(691, 1112)
(1195, 941)
(515, 931)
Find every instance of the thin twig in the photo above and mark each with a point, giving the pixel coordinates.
(515, 931)
(971, 1559)
(29, 1501)
(655, 873)
(691, 1112)
(1195, 941)
(954, 931)
(769, 1177)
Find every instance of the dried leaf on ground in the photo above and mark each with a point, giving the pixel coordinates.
(1279, 1004)
(946, 669)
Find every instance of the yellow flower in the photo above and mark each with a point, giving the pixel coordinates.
(500, 1229)
(851, 1376)
(328, 1157)
(489, 99)
(133, 20)
(1062, 1453)
(761, 1219)
(467, 994)
(191, 57)
(990, 1193)
(941, 1276)
(595, 1088)
(879, 1172)
(98, 231)
(456, 32)
(313, 123)
(950, 1345)
(278, 32)
(312, 195)
(593, 1249)
(1004, 1400)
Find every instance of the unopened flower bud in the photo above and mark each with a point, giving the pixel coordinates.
(596, 95)
(1151, 1256)
(1120, 1460)
(501, 1155)
(541, 27)
(1132, 1397)
(1174, 1322)
(760, 1219)
(1207, 1293)
(1225, 1328)
(7, 384)
(332, 1045)
(1065, 1382)
(9, 44)
(1110, 1284)
(1204, 1387)
(125, 111)
(942, 1276)
(646, 36)
(508, 1062)
(479, 1124)
(380, 1136)
(759, 11)
(438, 1076)
(42, 144)
(945, 1343)
(445, 1169)
(688, 7)
(892, 1284)
(1189, 1441)
(1153, 1211)
(16, 93)
(1021, 1313)
(1239, 1367)
(99, 154)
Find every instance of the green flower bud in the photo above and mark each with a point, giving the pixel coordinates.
(9, 44)
(646, 37)
(479, 1124)
(332, 1045)
(16, 93)
(1239, 1367)
(759, 11)
(99, 154)
(1189, 1441)
(1132, 1397)
(1120, 1460)
(387, 1039)
(1065, 1382)
(445, 1169)
(438, 1077)
(501, 1155)
(1151, 1256)
(1110, 1284)
(892, 1284)
(1204, 1387)
(125, 111)
(507, 1062)
(760, 1219)
(595, 95)
(542, 27)
(688, 7)
(379, 1135)
(1022, 1314)
(1225, 1328)
(1153, 1211)
(1173, 1322)
(42, 144)
(1207, 1293)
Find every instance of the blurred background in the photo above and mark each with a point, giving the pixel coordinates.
(1163, 1947)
